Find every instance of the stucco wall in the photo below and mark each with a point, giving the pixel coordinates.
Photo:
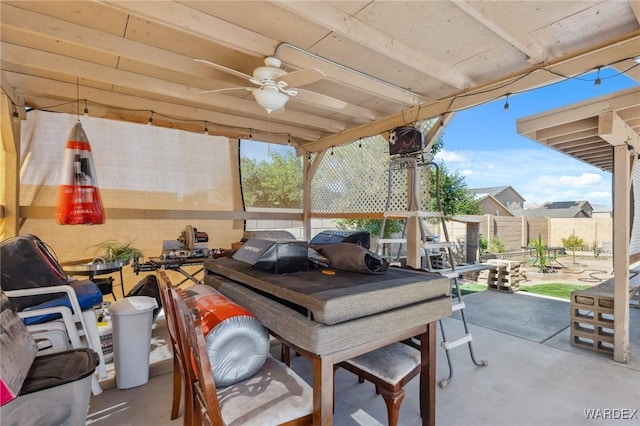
(589, 229)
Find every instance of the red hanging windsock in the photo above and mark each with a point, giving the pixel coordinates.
(79, 201)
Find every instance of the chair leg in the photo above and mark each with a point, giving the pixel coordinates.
(93, 340)
(393, 401)
(285, 355)
(177, 389)
(190, 418)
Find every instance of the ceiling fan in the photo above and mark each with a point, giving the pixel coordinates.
(276, 86)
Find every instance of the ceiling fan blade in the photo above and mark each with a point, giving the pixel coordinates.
(225, 69)
(319, 99)
(225, 90)
(302, 77)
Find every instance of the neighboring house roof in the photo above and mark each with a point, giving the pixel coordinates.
(561, 209)
(493, 191)
(492, 206)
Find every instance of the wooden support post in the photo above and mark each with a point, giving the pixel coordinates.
(10, 134)
(414, 236)
(621, 232)
(309, 170)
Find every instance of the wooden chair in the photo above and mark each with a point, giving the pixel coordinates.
(179, 373)
(389, 369)
(274, 395)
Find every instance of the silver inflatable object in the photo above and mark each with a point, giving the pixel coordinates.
(237, 342)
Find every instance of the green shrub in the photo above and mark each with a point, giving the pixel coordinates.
(541, 252)
(496, 245)
(371, 225)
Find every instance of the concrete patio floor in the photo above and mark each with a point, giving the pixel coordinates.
(531, 378)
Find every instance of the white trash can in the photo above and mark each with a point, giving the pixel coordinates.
(131, 319)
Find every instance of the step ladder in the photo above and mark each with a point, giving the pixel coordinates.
(419, 254)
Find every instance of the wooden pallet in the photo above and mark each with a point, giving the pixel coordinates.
(504, 275)
(506, 289)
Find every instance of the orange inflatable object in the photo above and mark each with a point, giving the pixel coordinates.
(237, 344)
(215, 308)
(79, 201)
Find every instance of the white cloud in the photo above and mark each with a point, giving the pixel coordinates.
(539, 175)
(583, 179)
(450, 157)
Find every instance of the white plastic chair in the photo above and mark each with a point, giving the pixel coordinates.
(54, 336)
(84, 322)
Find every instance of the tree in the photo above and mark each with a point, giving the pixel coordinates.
(273, 184)
(573, 243)
(454, 195)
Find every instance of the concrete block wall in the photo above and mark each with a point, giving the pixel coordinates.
(293, 226)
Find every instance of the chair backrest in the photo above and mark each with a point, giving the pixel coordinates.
(198, 367)
(166, 291)
(165, 286)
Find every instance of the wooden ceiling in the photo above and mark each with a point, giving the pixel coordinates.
(392, 62)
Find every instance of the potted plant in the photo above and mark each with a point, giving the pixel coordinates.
(112, 251)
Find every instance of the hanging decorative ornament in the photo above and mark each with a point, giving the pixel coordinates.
(79, 201)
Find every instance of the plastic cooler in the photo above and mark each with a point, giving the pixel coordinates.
(56, 391)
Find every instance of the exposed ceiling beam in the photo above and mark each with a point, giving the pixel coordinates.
(350, 27)
(8, 88)
(587, 147)
(75, 34)
(567, 129)
(490, 15)
(578, 136)
(635, 6)
(240, 39)
(630, 68)
(586, 109)
(199, 23)
(39, 85)
(10, 140)
(614, 130)
(347, 77)
(154, 87)
(604, 154)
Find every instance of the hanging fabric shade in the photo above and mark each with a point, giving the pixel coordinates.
(79, 201)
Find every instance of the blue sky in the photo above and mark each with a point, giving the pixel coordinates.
(482, 144)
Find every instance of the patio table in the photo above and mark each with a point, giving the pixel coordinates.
(331, 318)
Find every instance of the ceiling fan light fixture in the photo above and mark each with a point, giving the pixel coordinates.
(271, 100)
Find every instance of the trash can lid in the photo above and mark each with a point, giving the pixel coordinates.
(133, 305)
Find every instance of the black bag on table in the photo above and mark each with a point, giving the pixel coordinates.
(148, 286)
(27, 262)
(352, 257)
